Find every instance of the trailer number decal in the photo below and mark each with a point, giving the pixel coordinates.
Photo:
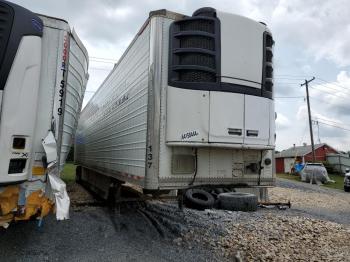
(63, 69)
(189, 135)
(149, 157)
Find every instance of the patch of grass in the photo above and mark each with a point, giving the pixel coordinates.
(68, 173)
(339, 180)
(289, 176)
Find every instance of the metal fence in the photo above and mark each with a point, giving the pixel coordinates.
(339, 161)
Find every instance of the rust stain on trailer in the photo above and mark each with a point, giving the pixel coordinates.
(38, 171)
(9, 199)
(36, 205)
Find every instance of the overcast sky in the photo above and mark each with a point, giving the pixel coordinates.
(312, 39)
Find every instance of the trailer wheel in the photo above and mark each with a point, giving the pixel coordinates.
(237, 201)
(199, 199)
(78, 172)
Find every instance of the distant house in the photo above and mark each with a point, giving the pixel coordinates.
(286, 158)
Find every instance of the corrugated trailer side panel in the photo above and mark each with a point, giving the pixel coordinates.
(75, 88)
(47, 118)
(112, 130)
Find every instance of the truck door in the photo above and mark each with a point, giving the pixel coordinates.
(257, 120)
(226, 117)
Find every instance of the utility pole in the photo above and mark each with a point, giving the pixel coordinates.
(318, 132)
(310, 122)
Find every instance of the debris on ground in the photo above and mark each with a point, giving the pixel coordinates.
(320, 199)
(266, 235)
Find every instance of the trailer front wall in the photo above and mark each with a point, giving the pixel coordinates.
(183, 164)
(112, 130)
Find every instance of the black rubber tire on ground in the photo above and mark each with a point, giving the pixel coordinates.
(198, 199)
(346, 189)
(237, 201)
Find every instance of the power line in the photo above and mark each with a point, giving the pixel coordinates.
(102, 58)
(302, 76)
(287, 83)
(326, 102)
(324, 119)
(287, 78)
(313, 87)
(324, 85)
(332, 83)
(103, 69)
(346, 129)
(106, 62)
(289, 97)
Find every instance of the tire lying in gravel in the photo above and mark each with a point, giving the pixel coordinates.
(198, 199)
(237, 201)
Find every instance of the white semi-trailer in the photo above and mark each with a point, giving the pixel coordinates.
(190, 103)
(43, 74)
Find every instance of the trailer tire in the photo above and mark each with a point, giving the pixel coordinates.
(237, 201)
(78, 171)
(199, 199)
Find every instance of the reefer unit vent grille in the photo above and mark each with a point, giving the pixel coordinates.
(198, 25)
(268, 65)
(6, 20)
(194, 51)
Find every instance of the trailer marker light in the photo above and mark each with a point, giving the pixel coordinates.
(38, 171)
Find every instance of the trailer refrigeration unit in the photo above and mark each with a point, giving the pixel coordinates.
(43, 74)
(190, 103)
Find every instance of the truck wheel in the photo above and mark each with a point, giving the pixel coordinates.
(237, 201)
(199, 199)
(347, 189)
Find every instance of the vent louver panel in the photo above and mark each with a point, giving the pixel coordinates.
(268, 65)
(194, 56)
(15, 22)
(203, 25)
(6, 20)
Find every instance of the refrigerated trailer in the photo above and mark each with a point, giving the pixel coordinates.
(43, 74)
(190, 103)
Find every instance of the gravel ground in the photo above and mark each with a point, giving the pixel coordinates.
(96, 234)
(127, 232)
(312, 200)
(159, 231)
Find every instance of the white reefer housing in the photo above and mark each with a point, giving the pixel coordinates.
(189, 103)
(42, 82)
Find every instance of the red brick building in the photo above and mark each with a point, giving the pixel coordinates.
(286, 158)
